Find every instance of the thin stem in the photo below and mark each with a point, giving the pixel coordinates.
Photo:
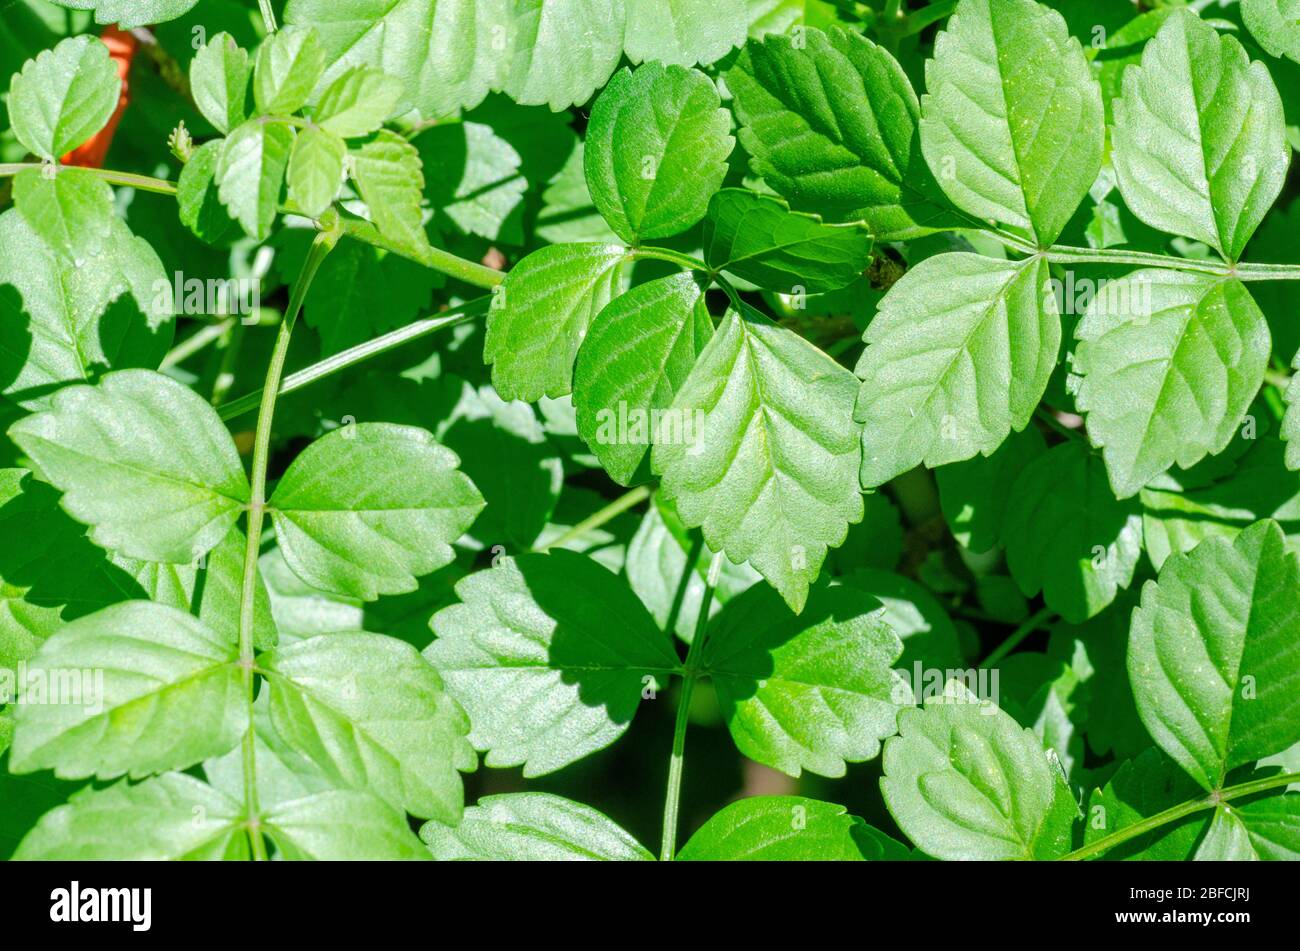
(360, 353)
(268, 15)
(673, 798)
(610, 512)
(128, 179)
(1050, 419)
(672, 257)
(478, 275)
(195, 342)
(1031, 624)
(320, 249)
(918, 20)
(1178, 812)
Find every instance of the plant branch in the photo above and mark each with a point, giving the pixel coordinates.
(360, 353)
(320, 249)
(129, 179)
(607, 514)
(461, 269)
(195, 342)
(1031, 624)
(918, 20)
(672, 800)
(268, 15)
(1178, 812)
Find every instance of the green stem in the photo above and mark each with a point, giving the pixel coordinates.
(320, 249)
(1178, 812)
(478, 275)
(918, 20)
(268, 15)
(128, 179)
(360, 353)
(672, 257)
(673, 798)
(607, 514)
(1031, 624)
(194, 343)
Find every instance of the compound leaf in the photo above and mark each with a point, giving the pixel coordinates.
(391, 181)
(1267, 829)
(789, 829)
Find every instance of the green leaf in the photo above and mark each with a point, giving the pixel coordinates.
(169, 817)
(358, 102)
(112, 450)
(1200, 137)
(1275, 24)
(976, 495)
(1168, 363)
(219, 82)
(166, 693)
(562, 51)
(475, 178)
(769, 475)
(957, 357)
(1291, 421)
(914, 615)
(342, 825)
(1257, 488)
(1267, 830)
(373, 714)
(1068, 536)
(388, 175)
(656, 150)
(63, 97)
(197, 197)
(1012, 122)
(1211, 653)
(760, 240)
(316, 170)
(788, 829)
(541, 314)
(683, 32)
(132, 13)
(447, 54)
(964, 781)
(221, 591)
(813, 690)
(637, 355)
(1141, 788)
(250, 172)
(289, 65)
(548, 678)
(532, 827)
(71, 211)
(367, 508)
(832, 126)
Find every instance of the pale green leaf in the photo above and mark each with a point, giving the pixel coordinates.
(656, 150)
(373, 714)
(358, 102)
(813, 690)
(532, 827)
(197, 198)
(170, 817)
(760, 240)
(1068, 536)
(1168, 363)
(475, 178)
(1291, 421)
(562, 50)
(152, 689)
(316, 170)
(636, 356)
(832, 126)
(683, 32)
(250, 173)
(1012, 121)
(788, 829)
(63, 97)
(369, 507)
(219, 82)
(769, 475)
(132, 13)
(965, 781)
(1212, 653)
(388, 175)
(1200, 145)
(548, 678)
(111, 449)
(957, 357)
(289, 65)
(541, 314)
(71, 211)
(1264, 830)
(342, 825)
(1275, 24)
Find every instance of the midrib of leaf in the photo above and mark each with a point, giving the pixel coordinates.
(1016, 151)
